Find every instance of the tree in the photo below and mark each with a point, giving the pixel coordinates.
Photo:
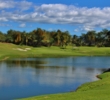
(64, 39)
(107, 39)
(38, 36)
(18, 38)
(58, 37)
(10, 36)
(83, 39)
(102, 38)
(91, 36)
(2, 37)
(74, 39)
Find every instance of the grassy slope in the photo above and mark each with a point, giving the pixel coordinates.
(98, 90)
(8, 51)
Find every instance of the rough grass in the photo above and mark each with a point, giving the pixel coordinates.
(98, 90)
(8, 50)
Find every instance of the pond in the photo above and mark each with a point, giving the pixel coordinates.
(20, 78)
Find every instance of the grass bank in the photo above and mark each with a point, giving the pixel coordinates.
(98, 90)
(14, 51)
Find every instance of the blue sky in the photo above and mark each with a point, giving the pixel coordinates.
(75, 16)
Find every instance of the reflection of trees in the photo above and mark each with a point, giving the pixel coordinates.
(25, 71)
(90, 69)
(47, 70)
(37, 64)
(24, 63)
(102, 69)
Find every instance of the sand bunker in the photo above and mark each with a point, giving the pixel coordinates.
(20, 49)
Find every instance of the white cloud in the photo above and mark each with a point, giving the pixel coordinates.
(6, 4)
(22, 25)
(3, 19)
(76, 30)
(63, 14)
(22, 5)
(4, 25)
(88, 18)
(87, 28)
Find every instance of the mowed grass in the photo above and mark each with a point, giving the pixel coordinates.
(98, 90)
(8, 50)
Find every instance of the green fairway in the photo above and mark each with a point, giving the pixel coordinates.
(14, 51)
(98, 90)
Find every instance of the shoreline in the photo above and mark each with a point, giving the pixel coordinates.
(81, 92)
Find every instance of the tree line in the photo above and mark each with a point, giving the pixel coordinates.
(40, 37)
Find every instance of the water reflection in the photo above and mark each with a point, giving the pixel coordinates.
(24, 72)
(24, 63)
(89, 62)
(39, 74)
(46, 76)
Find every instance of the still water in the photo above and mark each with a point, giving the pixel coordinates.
(27, 77)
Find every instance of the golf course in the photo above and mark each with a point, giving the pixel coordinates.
(8, 51)
(97, 90)
(54, 50)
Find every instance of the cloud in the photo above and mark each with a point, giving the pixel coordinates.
(76, 30)
(9, 4)
(22, 25)
(4, 19)
(4, 25)
(24, 5)
(6, 4)
(88, 18)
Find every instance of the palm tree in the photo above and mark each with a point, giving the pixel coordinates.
(91, 36)
(74, 39)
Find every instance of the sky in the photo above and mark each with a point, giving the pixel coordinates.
(75, 16)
